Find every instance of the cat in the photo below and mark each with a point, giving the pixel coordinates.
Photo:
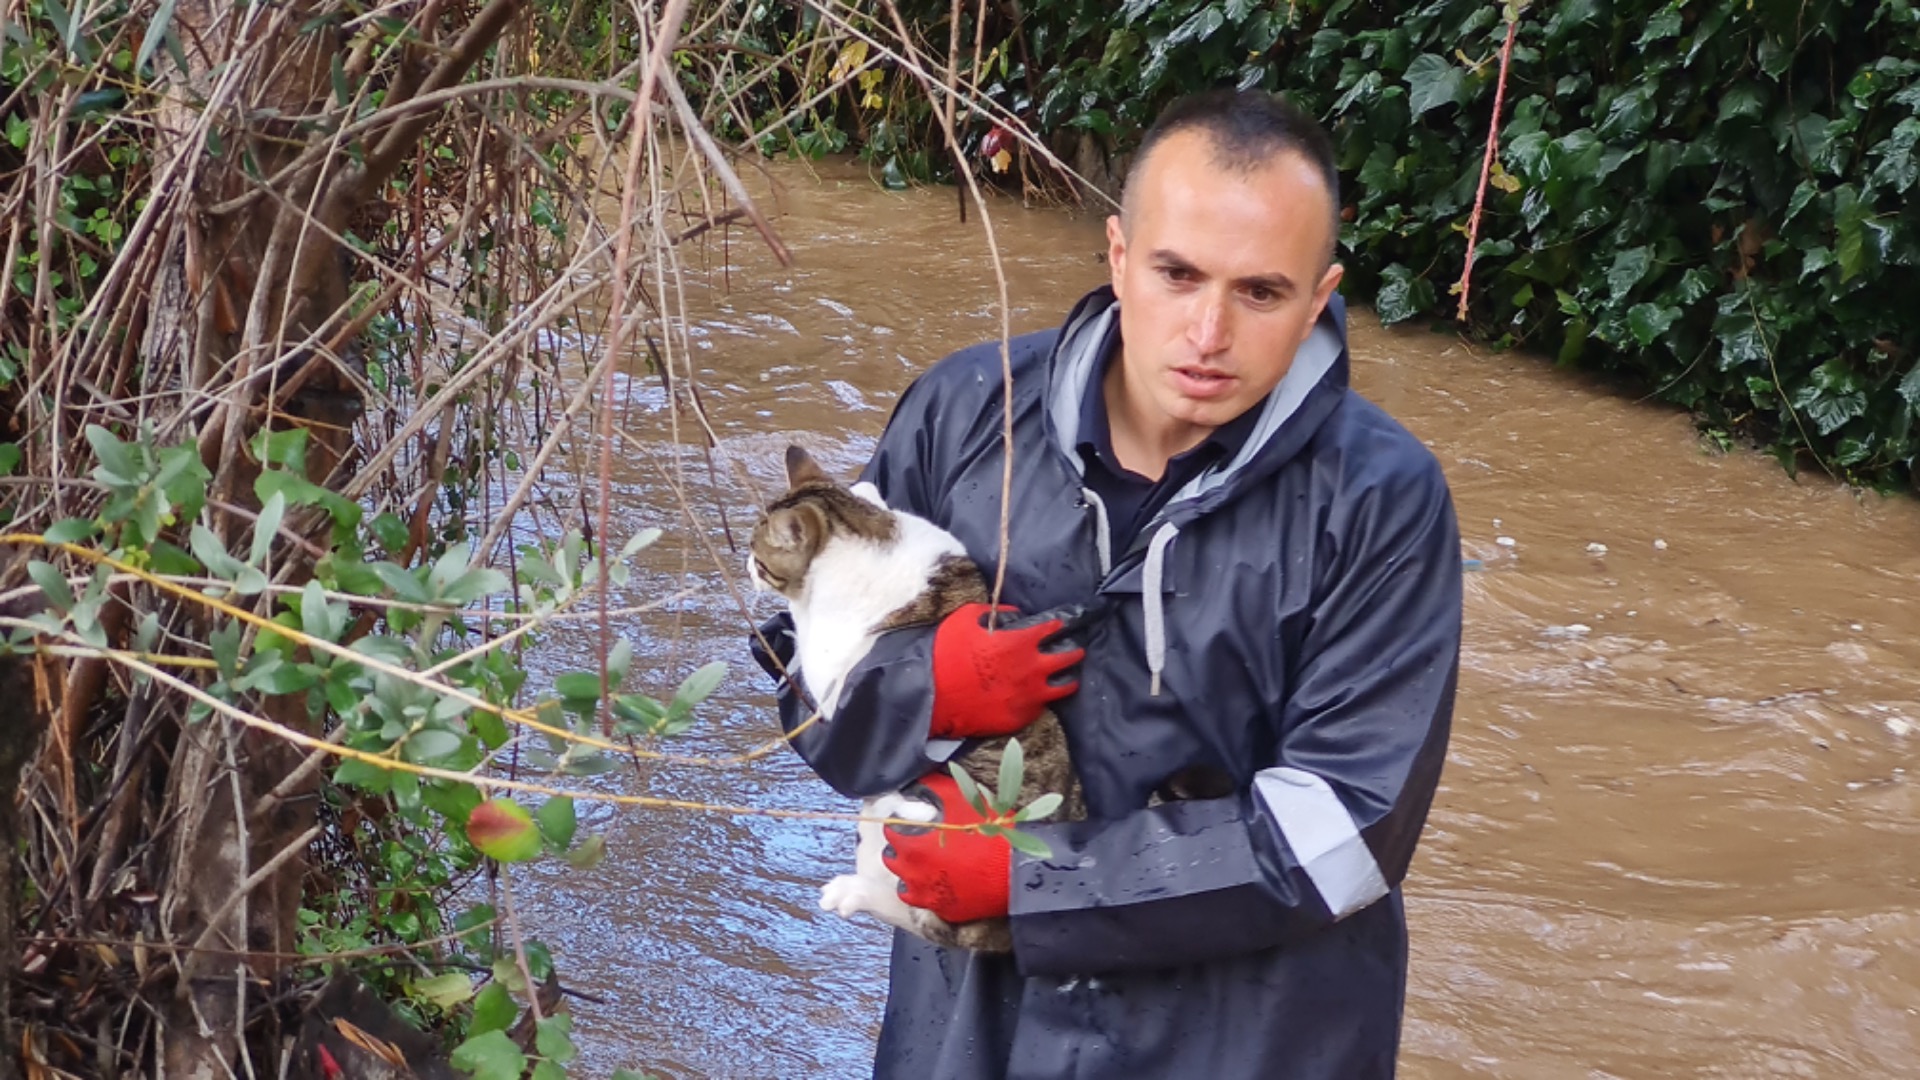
(850, 569)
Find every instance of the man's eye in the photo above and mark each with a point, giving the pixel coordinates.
(1176, 273)
(1260, 294)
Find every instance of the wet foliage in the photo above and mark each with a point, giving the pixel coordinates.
(1711, 200)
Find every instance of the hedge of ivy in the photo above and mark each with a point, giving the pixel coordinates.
(1714, 198)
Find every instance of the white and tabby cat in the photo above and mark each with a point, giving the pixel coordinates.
(851, 568)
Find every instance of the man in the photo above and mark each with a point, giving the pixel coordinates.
(1274, 567)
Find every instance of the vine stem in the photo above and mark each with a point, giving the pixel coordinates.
(1486, 163)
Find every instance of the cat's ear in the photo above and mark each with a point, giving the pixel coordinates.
(870, 493)
(800, 529)
(802, 469)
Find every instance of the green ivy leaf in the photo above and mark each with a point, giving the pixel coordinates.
(1431, 83)
(1910, 388)
(1402, 296)
(1648, 321)
(1629, 267)
(490, 1056)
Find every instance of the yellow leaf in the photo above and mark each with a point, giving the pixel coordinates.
(872, 101)
(1503, 179)
(849, 61)
(1001, 160)
(870, 78)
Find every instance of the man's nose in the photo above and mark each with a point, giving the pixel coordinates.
(1209, 331)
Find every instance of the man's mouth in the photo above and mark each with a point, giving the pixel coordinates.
(1197, 381)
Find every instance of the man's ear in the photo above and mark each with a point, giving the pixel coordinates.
(1322, 293)
(1116, 249)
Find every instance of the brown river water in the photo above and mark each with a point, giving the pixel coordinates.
(1679, 829)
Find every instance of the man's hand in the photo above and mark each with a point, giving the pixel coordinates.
(959, 876)
(991, 684)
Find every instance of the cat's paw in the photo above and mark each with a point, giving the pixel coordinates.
(846, 896)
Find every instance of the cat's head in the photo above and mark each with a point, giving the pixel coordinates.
(815, 512)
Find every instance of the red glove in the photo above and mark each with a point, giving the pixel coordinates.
(990, 684)
(959, 876)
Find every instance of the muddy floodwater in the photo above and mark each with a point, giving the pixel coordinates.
(1679, 829)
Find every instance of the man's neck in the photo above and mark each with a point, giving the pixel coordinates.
(1143, 440)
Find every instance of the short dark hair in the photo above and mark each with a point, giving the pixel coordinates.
(1248, 129)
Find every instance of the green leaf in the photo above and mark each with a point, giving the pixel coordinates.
(1013, 771)
(53, 585)
(266, 527)
(431, 746)
(557, 821)
(1829, 412)
(118, 461)
(1198, 27)
(490, 1056)
(1899, 164)
(390, 531)
(443, 992)
(507, 973)
(1432, 82)
(619, 660)
(1028, 844)
(1402, 296)
(70, 531)
(553, 1038)
(1648, 321)
(588, 854)
(157, 30)
(578, 686)
(547, 1070)
(9, 458)
(1042, 807)
(1629, 267)
(1910, 388)
(641, 540)
(283, 449)
(969, 790)
(699, 686)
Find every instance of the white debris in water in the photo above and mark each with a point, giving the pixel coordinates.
(1596, 549)
(1856, 628)
(1659, 545)
(1631, 614)
(1899, 727)
(1707, 965)
(1505, 541)
(1568, 631)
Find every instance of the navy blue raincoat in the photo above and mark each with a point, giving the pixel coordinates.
(1290, 618)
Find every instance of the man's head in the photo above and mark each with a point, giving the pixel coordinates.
(1222, 257)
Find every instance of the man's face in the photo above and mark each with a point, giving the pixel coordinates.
(1220, 275)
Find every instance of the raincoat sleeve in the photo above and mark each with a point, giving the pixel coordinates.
(1323, 831)
(876, 740)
